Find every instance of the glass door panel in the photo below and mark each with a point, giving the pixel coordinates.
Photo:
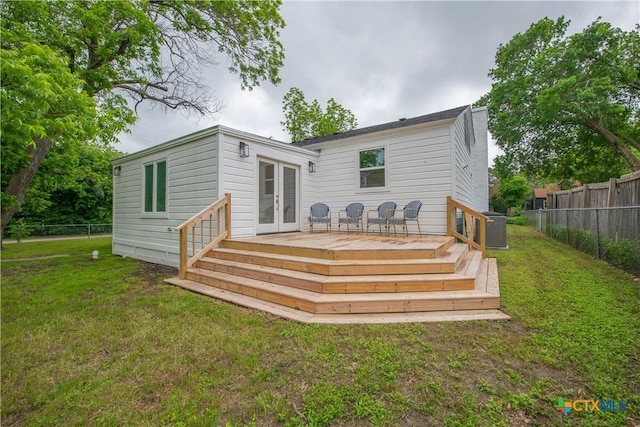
(266, 197)
(278, 190)
(288, 198)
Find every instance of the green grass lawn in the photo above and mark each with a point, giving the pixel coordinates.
(106, 342)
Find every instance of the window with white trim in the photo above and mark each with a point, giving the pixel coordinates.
(155, 187)
(372, 168)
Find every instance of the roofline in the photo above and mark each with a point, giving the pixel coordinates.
(211, 131)
(428, 118)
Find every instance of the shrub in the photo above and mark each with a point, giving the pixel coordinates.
(19, 229)
(517, 220)
(624, 254)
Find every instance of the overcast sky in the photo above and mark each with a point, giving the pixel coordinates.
(381, 60)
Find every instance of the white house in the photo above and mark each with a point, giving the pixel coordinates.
(273, 184)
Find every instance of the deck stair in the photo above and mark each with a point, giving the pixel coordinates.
(340, 279)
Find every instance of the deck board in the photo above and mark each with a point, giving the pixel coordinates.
(368, 318)
(344, 247)
(346, 278)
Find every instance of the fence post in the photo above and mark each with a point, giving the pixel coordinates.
(89, 230)
(613, 191)
(567, 227)
(597, 234)
(540, 220)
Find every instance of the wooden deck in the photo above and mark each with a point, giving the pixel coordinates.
(350, 278)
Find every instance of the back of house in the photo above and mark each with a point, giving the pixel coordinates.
(273, 184)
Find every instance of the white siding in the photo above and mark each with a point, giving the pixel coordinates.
(480, 160)
(238, 176)
(461, 154)
(425, 162)
(417, 166)
(191, 186)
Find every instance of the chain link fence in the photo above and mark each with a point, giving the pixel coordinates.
(612, 234)
(19, 230)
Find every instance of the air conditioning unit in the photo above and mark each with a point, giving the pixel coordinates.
(496, 231)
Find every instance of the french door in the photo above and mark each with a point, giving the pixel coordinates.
(278, 191)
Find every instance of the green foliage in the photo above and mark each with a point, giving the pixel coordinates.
(517, 220)
(39, 99)
(70, 70)
(19, 229)
(304, 120)
(623, 253)
(82, 195)
(566, 106)
(513, 191)
(117, 47)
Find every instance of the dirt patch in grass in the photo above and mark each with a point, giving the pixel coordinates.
(37, 258)
(150, 277)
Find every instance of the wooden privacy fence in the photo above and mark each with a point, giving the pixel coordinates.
(615, 223)
(203, 232)
(466, 230)
(623, 191)
(611, 233)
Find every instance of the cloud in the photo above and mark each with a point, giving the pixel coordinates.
(381, 60)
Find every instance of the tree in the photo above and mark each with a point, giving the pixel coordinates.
(42, 104)
(304, 120)
(71, 69)
(514, 191)
(81, 195)
(560, 102)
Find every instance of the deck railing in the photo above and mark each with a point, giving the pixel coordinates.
(203, 232)
(462, 222)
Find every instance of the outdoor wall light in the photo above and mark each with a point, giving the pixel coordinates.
(244, 149)
(116, 170)
(312, 167)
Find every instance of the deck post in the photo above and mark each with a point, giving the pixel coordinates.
(183, 253)
(483, 236)
(227, 215)
(449, 213)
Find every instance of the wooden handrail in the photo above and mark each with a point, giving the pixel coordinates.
(468, 225)
(194, 229)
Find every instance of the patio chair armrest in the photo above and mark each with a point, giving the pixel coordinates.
(371, 210)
